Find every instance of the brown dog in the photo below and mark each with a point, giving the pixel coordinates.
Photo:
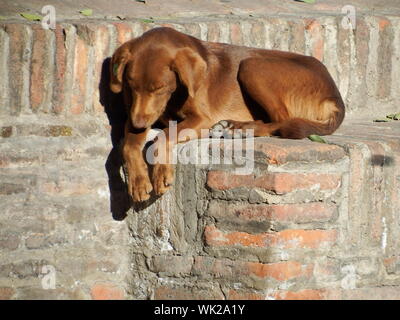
(167, 75)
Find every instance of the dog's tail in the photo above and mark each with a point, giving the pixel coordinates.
(299, 128)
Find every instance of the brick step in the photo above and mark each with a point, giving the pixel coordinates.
(18, 152)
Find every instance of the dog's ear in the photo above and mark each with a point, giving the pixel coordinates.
(117, 67)
(191, 68)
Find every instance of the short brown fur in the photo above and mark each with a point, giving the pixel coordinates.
(167, 75)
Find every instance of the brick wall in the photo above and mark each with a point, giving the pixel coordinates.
(58, 72)
(313, 221)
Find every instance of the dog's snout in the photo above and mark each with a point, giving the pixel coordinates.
(139, 123)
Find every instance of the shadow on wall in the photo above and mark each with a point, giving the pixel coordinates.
(120, 200)
(382, 161)
(113, 105)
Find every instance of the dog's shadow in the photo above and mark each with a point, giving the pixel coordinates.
(120, 200)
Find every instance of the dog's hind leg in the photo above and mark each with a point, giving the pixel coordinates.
(299, 97)
(257, 84)
(241, 129)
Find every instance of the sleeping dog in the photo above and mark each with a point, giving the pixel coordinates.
(167, 75)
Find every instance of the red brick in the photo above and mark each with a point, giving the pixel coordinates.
(306, 294)
(19, 42)
(343, 60)
(376, 187)
(287, 239)
(87, 32)
(280, 151)
(60, 73)
(385, 54)
(175, 265)
(327, 268)
(18, 160)
(225, 268)
(8, 240)
(6, 132)
(79, 76)
(392, 264)
(168, 25)
(107, 291)
(213, 32)
(244, 295)
(236, 34)
(37, 293)
(362, 38)
(35, 241)
(124, 32)
(103, 266)
(278, 182)
(279, 33)
(6, 293)
(221, 180)
(357, 202)
(148, 26)
(362, 33)
(193, 29)
(204, 265)
(257, 34)
(383, 23)
(297, 41)
(373, 293)
(280, 271)
(38, 66)
(315, 30)
(67, 188)
(185, 293)
(297, 213)
(101, 50)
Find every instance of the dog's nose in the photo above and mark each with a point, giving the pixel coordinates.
(139, 123)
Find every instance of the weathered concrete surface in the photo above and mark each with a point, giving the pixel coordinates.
(69, 9)
(55, 211)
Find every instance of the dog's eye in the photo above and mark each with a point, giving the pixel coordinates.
(158, 89)
(134, 87)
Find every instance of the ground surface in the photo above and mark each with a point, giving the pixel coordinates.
(69, 9)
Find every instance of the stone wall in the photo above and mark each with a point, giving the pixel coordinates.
(58, 72)
(313, 221)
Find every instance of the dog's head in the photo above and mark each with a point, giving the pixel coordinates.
(149, 72)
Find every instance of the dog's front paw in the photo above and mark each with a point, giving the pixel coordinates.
(227, 129)
(162, 177)
(139, 186)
